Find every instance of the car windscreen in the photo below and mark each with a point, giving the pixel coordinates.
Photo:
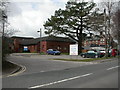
(54, 50)
(91, 51)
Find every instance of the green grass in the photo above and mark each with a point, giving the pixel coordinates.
(83, 60)
(42, 53)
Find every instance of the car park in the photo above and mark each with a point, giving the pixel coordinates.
(92, 54)
(53, 52)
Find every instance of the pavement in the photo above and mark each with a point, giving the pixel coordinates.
(19, 68)
(10, 69)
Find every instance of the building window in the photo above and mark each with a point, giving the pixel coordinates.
(43, 46)
(65, 48)
(89, 42)
(103, 39)
(58, 47)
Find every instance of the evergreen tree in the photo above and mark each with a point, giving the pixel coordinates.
(72, 21)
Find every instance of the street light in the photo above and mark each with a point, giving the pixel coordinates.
(40, 37)
(40, 33)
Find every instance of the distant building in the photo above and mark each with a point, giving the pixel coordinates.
(36, 45)
(95, 41)
(17, 41)
(42, 44)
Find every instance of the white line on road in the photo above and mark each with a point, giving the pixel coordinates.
(42, 71)
(112, 67)
(60, 81)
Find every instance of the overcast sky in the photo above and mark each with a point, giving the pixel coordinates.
(28, 17)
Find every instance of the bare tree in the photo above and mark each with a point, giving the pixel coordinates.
(3, 16)
(116, 27)
(108, 6)
(5, 30)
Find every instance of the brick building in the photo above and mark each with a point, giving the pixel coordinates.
(17, 41)
(42, 44)
(97, 41)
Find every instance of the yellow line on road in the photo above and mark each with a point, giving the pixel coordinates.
(21, 71)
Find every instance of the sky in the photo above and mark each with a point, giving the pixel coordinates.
(29, 16)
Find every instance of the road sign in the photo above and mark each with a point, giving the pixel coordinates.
(74, 49)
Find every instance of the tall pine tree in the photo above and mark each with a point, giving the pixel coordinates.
(72, 21)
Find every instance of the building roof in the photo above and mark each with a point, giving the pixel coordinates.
(54, 38)
(22, 37)
(47, 38)
(28, 42)
(96, 37)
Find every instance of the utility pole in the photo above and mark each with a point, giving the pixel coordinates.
(4, 17)
(40, 31)
(3, 23)
(106, 37)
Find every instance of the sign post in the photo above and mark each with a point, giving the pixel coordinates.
(73, 49)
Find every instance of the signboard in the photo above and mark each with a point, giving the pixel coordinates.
(74, 49)
(25, 48)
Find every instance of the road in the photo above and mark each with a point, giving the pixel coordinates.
(56, 74)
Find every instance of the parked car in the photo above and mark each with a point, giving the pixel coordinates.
(92, 54)
(53, 52)
(104, 52)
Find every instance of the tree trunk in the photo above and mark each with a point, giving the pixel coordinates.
(80, 37)
(80, 46)
(80, 42)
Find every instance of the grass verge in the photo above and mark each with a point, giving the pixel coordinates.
(83, 60)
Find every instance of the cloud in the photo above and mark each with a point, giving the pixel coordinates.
(13, 9)
(29, 17)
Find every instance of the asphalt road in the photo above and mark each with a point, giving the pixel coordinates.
(70, 75)
(42, 63)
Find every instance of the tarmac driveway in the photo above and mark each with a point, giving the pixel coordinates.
(35, 63)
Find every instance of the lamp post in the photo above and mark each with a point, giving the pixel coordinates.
(40, 37)
(40, 33)
(106, 35)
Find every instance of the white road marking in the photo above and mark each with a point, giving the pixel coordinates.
(42, 71)
(112, 67)
(60, 81)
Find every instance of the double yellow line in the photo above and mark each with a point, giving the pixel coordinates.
(15, 74)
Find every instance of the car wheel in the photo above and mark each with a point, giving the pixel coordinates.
(83, 56)
(96, 56)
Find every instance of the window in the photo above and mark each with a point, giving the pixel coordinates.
(65, 48)
(89, 42)
(43, 47)
(91, 51)
(103, 39)
(58, 47)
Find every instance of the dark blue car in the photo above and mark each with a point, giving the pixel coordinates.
(92, 54)
(53, 52)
